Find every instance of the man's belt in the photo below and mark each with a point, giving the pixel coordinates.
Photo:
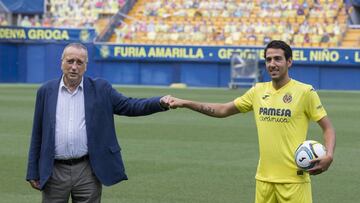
(72, 161)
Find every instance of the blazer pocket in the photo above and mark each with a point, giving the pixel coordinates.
(114, 149)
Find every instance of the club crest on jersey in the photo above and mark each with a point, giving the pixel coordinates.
(287, 98)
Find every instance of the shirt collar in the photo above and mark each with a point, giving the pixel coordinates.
(80, 86)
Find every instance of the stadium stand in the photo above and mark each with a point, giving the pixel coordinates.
(232, 22)
(68, 14)
(80, 13)
(351, 38)
(352, 35)
(3, 20)
(304, 23)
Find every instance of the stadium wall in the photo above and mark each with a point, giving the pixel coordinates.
(39, 62)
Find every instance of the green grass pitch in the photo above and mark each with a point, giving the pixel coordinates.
(183, 156)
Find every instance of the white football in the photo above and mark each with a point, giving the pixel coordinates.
(307, 151)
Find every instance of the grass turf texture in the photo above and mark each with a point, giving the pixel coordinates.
(183, 156)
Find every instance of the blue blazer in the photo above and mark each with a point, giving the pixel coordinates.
(101, 103)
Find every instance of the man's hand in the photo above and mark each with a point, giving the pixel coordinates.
(165, 101)
(35, 184)
(169, 101)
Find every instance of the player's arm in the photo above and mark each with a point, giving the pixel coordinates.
(219, 110)
(329, 136)
(329, 140)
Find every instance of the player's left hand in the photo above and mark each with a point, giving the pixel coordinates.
(321, 165)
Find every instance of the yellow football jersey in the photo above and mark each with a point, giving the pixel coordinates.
(282, 118)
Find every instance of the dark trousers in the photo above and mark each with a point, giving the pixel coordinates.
(75, 180)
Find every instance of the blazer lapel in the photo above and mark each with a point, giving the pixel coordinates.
(89, 99)
(53, 96)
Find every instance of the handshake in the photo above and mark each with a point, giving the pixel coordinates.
(170, 102)
(219, 110)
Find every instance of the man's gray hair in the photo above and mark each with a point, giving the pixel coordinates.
(76, 45)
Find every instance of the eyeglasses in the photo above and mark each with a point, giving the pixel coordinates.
(76, 61)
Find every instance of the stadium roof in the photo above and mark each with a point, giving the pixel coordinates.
(24, 6)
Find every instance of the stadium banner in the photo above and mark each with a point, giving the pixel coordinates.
(44, 34)
(220, 54)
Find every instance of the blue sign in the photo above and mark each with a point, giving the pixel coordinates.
(220, 54)
(41, 34)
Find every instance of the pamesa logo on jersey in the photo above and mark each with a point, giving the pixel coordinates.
(277, 115)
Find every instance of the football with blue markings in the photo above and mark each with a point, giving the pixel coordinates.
(307, 151)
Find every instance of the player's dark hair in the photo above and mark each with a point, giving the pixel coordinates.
(278, 44)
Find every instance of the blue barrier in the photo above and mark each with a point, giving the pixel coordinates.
(220, 54)
(37, 62)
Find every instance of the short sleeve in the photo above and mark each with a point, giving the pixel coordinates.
(244, 103)
(315, 110)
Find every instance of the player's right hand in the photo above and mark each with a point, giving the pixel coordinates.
(176, 102)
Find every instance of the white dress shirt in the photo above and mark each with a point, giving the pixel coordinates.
(70, 127)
